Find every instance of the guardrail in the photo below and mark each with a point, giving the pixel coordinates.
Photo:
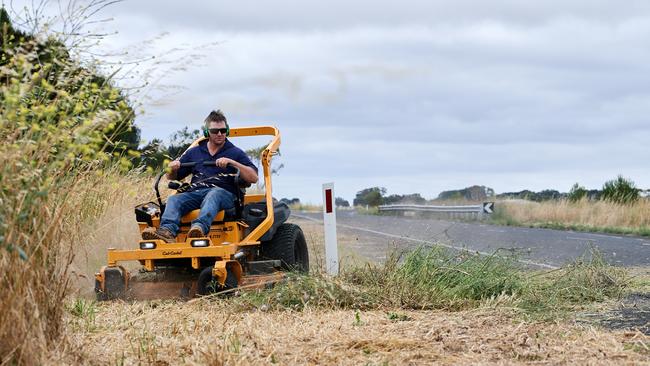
(466, 211)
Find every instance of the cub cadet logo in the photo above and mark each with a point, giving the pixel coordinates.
(172, 252)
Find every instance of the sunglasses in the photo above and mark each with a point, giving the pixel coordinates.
(215, 131)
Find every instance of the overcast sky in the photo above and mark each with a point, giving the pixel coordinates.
(414, 96)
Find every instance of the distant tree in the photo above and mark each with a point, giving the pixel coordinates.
(180, 141)
(620, 190)
(392, 199)
(414, 198)
(155, 152)
(577, 193)
(340, 202)
(473, 193)
(451, 195)
(545, 195)
(370, 196)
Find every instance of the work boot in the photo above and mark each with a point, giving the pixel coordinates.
(151, 233)
(195, 232)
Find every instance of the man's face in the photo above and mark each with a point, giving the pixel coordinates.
(217, 137)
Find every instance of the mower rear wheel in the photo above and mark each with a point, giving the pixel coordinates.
(289, 246)
(114, 285)
(207, 284)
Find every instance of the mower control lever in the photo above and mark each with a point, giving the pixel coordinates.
(192, 164)
(173, 185)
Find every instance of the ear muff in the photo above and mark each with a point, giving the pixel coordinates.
(206, 131)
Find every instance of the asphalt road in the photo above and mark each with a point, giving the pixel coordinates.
(538, 247)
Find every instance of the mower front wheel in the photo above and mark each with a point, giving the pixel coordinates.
(114, 285)
(207, 284)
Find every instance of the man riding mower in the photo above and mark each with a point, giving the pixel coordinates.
(246, 244)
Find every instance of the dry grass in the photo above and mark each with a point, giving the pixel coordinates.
(602, 215)
(211, 332)
(309, 207)
(35, 288)
(114, 226)
(55, 119)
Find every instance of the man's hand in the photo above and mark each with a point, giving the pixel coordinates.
(172, 168)
(174, 165)
(247, 173)
(223, 162)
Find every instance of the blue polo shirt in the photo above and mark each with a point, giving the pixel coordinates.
(204, 176)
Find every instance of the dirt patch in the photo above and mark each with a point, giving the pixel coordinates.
(632, 313)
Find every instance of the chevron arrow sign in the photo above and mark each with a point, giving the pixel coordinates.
(488, 207)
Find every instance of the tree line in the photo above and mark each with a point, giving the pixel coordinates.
(620, 190)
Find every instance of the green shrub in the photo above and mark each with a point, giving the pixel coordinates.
(577, 193)
(620, 190)
(57, 124)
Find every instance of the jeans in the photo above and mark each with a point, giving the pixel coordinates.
(210, 200)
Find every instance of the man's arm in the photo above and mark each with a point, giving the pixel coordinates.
(248, 174)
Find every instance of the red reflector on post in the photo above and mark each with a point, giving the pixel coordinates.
(328, 201)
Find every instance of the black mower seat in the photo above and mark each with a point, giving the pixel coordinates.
(222, 216)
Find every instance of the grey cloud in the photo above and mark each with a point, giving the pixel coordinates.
(249, 15)
(414, 95)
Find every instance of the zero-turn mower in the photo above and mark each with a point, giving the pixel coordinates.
(248, 246)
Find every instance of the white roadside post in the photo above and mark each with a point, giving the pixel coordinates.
(329, 223)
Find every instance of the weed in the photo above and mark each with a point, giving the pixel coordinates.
(145, 347)
(84, 310)
(397, 317)
(120, 360)
(233, 343)
(357, 319)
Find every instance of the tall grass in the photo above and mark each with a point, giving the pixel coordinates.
(588, 279)
(53, 124)
(435, 278)
(581, 215)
